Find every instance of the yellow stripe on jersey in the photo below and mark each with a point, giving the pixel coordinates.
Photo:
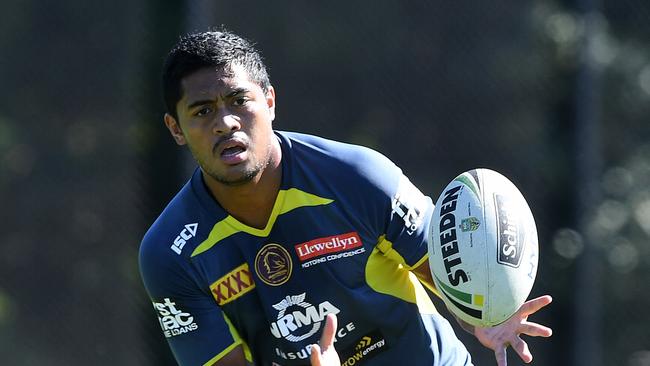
(286, 201)
(221, 354)
(387, 273)
(237, 341)
(220, 231)
(420, 262)
(235, 335)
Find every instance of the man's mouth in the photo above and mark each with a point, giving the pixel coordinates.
(232, 151)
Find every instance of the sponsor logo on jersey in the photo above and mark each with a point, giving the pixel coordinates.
(330, 244)
(511, 237)
(333, 257)
(303, 353)
(273, 264)
(173, 320)
(297, 319)
(188, 232)
(409, 204)
(366, 348)
(233, 285)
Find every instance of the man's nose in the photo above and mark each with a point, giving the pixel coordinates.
(226, 123)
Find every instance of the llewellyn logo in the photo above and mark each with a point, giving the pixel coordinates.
(273, 264)
(328, 245)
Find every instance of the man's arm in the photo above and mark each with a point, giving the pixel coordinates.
(232, 358)
(423, 273)
(497, 338)
(508, 333)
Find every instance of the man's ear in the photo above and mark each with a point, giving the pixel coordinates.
(175, 129)
(270, 102)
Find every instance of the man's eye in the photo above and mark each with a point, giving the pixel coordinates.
(203, 111)
(240, 101)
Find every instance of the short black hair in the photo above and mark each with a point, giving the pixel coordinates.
(215, 48)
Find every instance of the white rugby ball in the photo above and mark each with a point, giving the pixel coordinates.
(483, 249)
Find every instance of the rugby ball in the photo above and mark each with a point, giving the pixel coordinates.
(483, 249)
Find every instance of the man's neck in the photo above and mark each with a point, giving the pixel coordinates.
(250, 203)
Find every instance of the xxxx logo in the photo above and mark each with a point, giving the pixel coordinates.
(234, 284)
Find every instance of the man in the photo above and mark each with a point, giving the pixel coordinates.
(278, 236)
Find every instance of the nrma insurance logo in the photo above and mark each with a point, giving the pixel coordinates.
(297, 319)
(173, 320)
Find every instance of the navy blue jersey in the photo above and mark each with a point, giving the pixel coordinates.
(346, 228)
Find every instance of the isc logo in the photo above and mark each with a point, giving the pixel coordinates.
(188, 233)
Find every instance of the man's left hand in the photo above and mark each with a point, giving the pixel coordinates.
(500, 336)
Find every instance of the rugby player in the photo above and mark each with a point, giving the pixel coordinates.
(280, 239)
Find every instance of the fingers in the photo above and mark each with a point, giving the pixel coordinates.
(508, 332)
(532, 306)
(501, 356)
(327, 338)
(535, 330)
(315, 357)
(521, 347)
(325, 354)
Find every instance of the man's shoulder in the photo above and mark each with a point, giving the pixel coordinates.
(323, 152)
(304, 140)
(358, 173)
(175, 227)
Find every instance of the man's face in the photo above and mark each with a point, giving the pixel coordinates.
(226, 121)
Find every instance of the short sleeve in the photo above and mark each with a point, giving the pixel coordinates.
(408, 221)
(398, 211)
(193, 324)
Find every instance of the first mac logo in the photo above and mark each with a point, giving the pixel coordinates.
(173, 320)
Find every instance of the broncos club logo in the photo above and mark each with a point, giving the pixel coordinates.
(273, 264)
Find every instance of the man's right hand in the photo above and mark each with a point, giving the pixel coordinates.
(325, 354)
